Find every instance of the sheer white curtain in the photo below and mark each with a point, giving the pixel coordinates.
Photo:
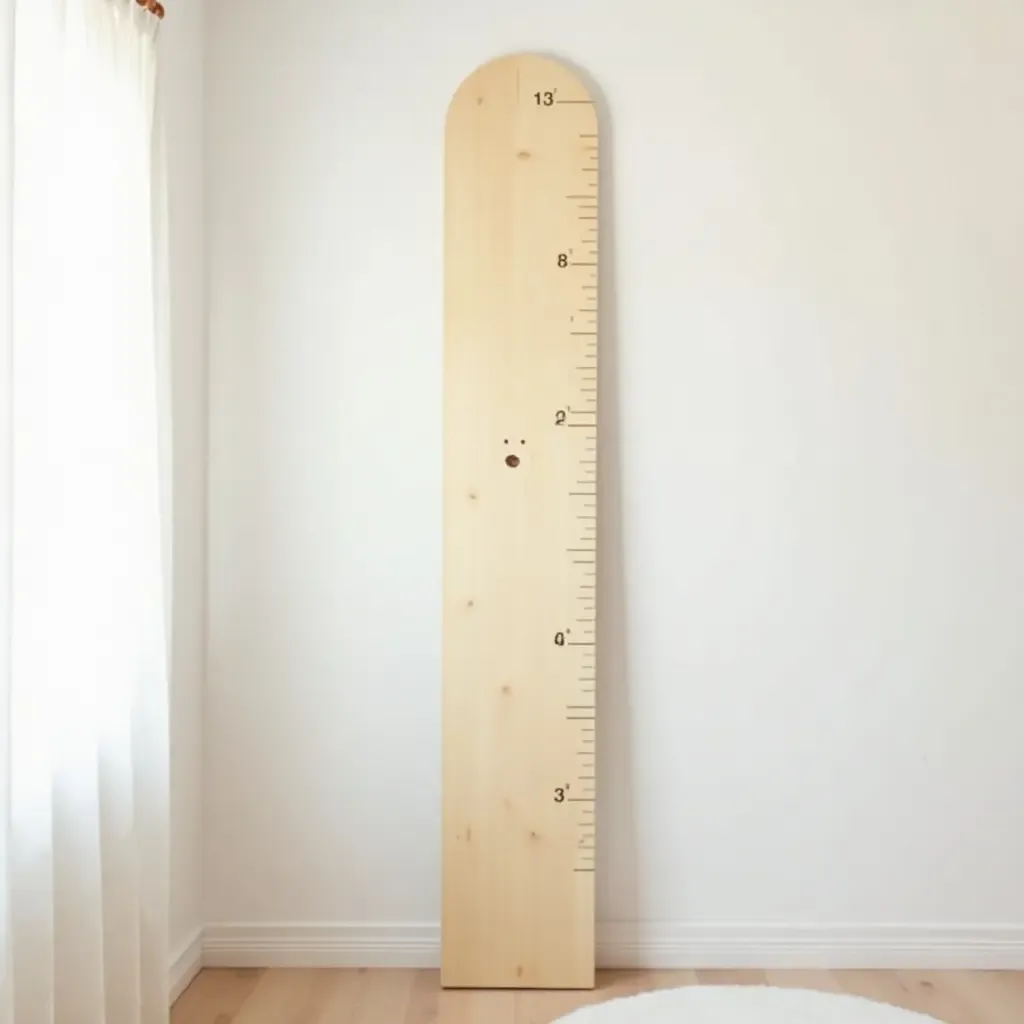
(83, 605)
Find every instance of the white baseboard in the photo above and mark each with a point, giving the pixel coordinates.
(186, 964)
(826, 947)
(962, 947)
(322, 945)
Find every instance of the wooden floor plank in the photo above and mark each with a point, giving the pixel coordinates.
(930, 992)
(295, 995)
(986, 995)
(654, 980)
(215, 997)
(345, 996)
(818, 981)
(732, 977)
(474, 1006)
(880, 986)
(415, 997)
(544, 1007)
(426, 987)
(388, 996)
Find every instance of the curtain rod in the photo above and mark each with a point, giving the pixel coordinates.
(153, 6)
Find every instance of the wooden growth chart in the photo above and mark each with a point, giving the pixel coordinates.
(520, 528)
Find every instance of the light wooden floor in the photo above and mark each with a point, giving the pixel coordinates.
(413, 997)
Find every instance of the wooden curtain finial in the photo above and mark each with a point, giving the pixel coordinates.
(153, 6)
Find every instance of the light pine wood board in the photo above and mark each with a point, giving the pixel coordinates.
(415, 997)
(520, 528)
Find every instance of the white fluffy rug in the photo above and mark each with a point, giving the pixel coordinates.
(743, 1004)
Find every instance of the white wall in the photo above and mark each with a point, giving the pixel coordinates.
(181, 43)
(813, 457)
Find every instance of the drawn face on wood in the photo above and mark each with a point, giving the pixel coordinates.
(511, 459)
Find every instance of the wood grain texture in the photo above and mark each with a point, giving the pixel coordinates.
(520, 529)
(416, 997)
